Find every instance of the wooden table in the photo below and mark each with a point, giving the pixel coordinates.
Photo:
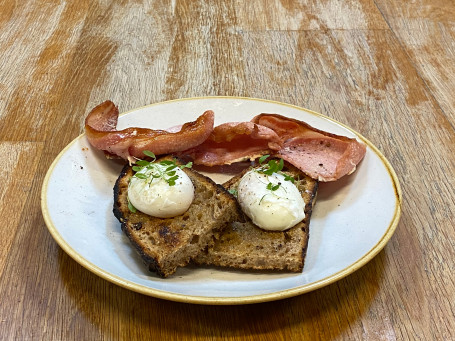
(385, 68)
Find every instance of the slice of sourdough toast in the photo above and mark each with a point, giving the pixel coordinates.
(167, 243)
(243, 245)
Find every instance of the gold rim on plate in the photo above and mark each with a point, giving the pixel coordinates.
(228, 300)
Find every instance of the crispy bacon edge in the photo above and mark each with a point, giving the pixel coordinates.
(130, 143)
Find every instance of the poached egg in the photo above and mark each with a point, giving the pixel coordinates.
(154, 196)
(273, 210)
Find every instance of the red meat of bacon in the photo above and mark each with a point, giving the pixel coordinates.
(233, 142)
(321, 155)
(130, 143)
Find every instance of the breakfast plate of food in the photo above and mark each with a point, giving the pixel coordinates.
(220, 200)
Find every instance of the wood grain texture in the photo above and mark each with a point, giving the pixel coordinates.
(426, 30)
(16, 186)
(290, 15)
(382, 67)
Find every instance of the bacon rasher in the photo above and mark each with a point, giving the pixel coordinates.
(129, 143)
(321, 155)
(234, 142)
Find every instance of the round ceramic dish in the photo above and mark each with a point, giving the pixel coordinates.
(352, 221)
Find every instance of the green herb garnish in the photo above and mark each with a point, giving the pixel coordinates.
(154, 170)
(271, 167)
(272, 187)
(234, 192)
(131, 207)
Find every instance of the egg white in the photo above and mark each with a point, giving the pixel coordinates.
(271, 210)
(155, 197)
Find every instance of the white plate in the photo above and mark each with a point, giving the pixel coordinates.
(352, 221)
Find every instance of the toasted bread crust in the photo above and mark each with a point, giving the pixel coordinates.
(246, 246)
(167, 243)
